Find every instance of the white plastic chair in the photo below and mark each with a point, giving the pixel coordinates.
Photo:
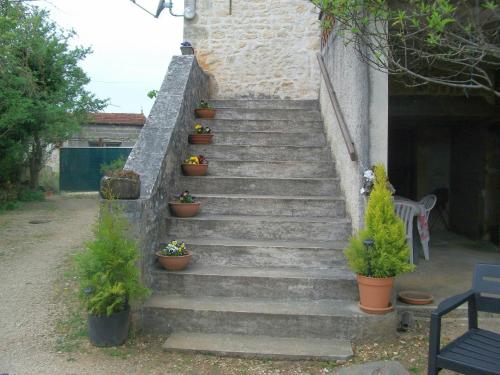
(429, 201)
(407, 211)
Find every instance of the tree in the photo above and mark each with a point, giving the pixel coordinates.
(449, 42)
(43, 99)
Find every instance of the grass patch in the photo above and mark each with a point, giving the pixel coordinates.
(71, 328)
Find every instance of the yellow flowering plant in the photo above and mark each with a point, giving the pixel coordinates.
(196, 160)
(200, 129)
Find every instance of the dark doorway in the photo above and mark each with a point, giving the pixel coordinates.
(450, 144)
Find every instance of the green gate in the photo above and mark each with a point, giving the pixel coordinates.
(80, 168)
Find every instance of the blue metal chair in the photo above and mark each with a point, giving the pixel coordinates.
(477, 352)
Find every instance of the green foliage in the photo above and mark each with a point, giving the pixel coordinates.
(449, 42)
(389, 254)
(115, 165)
(152, 94)
(11, 196)
(204, 105)
(109, 277)
(29, 195)
(43, 99)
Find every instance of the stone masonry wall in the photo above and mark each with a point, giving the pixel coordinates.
(263, 49)
(362, 95)
(159, 152)
(125, 134)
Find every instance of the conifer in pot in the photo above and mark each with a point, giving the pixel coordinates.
(379, 252)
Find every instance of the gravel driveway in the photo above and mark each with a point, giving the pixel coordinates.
(30, 258)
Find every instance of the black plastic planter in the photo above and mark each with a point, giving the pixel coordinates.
(109, 330)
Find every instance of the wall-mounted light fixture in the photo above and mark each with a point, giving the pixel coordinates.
(189, 8)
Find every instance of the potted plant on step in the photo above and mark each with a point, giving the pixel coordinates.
(174, 256)
(202, 135)
(185, 206)
(204, 110)
(195, 165)
(379, 252)
(109, 278)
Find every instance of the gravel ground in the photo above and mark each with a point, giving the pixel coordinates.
(43, 328)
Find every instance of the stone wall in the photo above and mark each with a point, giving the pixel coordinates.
(263, 49)
(363, 98)
(126, 135)
(159, 152)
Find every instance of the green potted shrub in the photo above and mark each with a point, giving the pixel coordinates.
(204, 110)
(379, 252)
(174, 256)
(109, 278)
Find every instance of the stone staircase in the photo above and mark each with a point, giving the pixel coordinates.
(268, 277)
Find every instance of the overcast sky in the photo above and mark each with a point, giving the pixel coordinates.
(131, 48)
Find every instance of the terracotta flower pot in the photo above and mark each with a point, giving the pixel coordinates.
(200, 139)
(205, 112)
(173, 263)
(194, 169)
(184, 209)
(375, 294)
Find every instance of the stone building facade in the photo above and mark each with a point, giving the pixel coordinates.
(109, 130)
(257, 49)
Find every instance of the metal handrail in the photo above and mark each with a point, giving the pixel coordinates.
(336, 108)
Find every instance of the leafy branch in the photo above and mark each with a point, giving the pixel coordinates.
(454, 43)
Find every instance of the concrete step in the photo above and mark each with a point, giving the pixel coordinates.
(269, 139)
(279, 169)
(269, 153)
(268, 205)
(248, 282)
(284, 228)
(329, 318)
(293, 126)
(259, 253)
(261, 186)
(260, 346)
(265, 104)
(268, 114)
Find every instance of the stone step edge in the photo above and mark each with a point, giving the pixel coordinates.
(312, 245)
(264, 218)
(325, 179)
(227, 145)
(266, 132)
(278, 162)
(271, 197)
(312, 273)
(248, 346)
(257, 306)
(304, 122)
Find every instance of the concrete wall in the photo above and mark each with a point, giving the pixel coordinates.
(125, 134)
(263, 49)
(159, 152)
(363, 99)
